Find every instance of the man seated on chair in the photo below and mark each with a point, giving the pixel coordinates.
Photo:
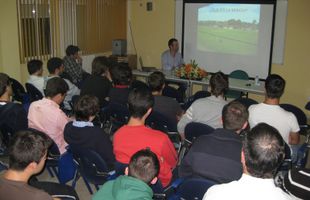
(100, 76)
(271, 113)
(27, 155)
(136, 136)
(46, 116)
(13, 116)
(217, 156)
(207, 110)
(262, 154)
(56, 68)
(83, 134)
(35, 70)
(167, 106)
(142, 171)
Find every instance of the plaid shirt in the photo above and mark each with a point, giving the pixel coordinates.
(73, 69)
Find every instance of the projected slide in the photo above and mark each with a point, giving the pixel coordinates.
(228, 28)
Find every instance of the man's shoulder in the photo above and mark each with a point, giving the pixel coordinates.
(166, 52)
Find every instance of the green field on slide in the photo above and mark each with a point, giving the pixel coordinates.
(230, 41)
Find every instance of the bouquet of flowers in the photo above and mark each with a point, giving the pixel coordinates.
(191, 71)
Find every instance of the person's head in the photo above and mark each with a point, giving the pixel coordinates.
(56, 89)
(144, 165)
(121, 74)
(235, 116)
(173, 45)
(86, 108)
(263, 151)
(5, 85)
(55, 66)
(35, 67)
(72, 50)
(100, 66)
(218, 84)
(140, 102)
(274, 86)
(28, 150)
(156, 81)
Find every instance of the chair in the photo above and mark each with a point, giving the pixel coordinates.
(117, 115)
(307, 106)
(287, 163)
(195, 129)
(300, 115)
(33, 92)
(51, 163)
(247, 102)
(190, 189)
(237, 74)
(19, 92)
(91, 167)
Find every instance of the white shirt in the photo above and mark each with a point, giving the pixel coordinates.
(169, 62)
(38, 82)
(246, 188)
(285, 122)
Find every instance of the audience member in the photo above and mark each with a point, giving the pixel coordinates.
(167, 106)
(217, 156)
(83, 134)
(142, 171)
(35, 70)
(297, 183)
(27, 155)
(100, 77)
(136, 136)
(56, 68)
(207, 110)
(13, 117)
(46, 116)
(121, 77)
(271, 113)
(73, 64)
(262, 154)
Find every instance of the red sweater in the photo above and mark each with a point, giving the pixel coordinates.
(130, 139)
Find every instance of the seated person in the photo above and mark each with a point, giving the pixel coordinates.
(35, 70)
(142, 171)
(136, 136)
(13, 117)
(207, 110)
(217, 156)
(100, 77)
(167, 106)
(82, 132)
(55, 68)
(73, 64)
(297, 183)
(271, 113)
(46, 116)
(121, 77)
(27, 155)
(262, 154)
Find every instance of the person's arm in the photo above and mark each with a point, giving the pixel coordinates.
(21, 121)
(294, 133)
(164, 61)
(169, 153)
(293, 138)
(105, 149)
(186, 118)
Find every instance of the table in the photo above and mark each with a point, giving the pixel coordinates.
(235, 84)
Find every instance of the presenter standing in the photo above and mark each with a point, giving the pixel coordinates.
(170, 60)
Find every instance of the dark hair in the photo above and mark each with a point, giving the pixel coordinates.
(144, 165)
(71, 50)
(234, 115)
(27, 146)
(4, 82)
(218, 83)
(156, 81)
(121, 74)
(263, 149)
(100, 65)
(53, 64)
(85, 107)
(34, 65)
(55, 86)
(274, 86)
(170, 42)
(139, 101)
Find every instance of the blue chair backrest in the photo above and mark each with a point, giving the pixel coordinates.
(300, 115)
(195, 129)
(193, 188)
(33, 92)
(239, 74)
(247, 102)
(19, 93)
(160, 122)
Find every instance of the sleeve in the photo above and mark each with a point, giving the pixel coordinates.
(164, 61)
(70, 69)
(185, 168)
(169, 153)
(186, 118)
(294, 124)
(21, 121)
